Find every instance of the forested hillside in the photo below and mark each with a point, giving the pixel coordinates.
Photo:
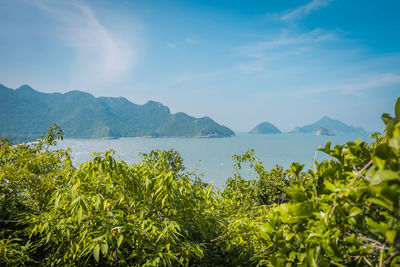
(26, 113)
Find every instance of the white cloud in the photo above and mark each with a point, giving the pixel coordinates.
(191, 40)
(185, 77)
(304, 10)
(171, 45)
(376, 81)
(100, 55)
(270, 55)
(288, 42)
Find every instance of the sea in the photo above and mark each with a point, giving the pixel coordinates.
(211, 158)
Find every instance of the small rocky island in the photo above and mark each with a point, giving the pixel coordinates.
(324, 131)
(265, 128)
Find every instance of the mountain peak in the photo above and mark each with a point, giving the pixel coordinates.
(79, 94)
(157, 105)
(153, 103)
(326, 118)
(25, 88)
(265, 128)
(4, 87)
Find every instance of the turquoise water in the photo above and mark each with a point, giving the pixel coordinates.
(213, 157)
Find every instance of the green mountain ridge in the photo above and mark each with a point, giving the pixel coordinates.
(26, 113)
(331, 125)
(265, 128)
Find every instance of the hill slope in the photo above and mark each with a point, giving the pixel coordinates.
(265, 128)
(331, 125)
(26, 113)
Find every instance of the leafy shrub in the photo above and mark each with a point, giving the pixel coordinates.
(343, 212)
(104, 211)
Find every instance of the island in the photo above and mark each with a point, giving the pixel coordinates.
(26, 113)
(328, 126)
(265, 128)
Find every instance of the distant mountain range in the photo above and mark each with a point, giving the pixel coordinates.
(26, 113)
(265, 128)
(330, 127)
(325, 126)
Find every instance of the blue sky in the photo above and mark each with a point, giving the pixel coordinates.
(239, 62)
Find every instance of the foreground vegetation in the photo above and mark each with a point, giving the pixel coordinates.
(344, 211)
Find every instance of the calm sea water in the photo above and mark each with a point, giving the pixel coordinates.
(213, 157)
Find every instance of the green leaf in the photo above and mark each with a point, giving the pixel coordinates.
(380, 202)
(108, 185)
(57, 201)
(104, 248)
(267, 228)
(358, 141)
(338, 264)
(391, 235)
(79, 215)
(289, 236)
(120, 238)
(96, 252)
(48, 237)
(395, 142)
(387, 119)
(44, 227)
(379, 227)
(355, 211)
(311, 259)
(383, 176)
(382, 151)
(397, 109)
(380, 163)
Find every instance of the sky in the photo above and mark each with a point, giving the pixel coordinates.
(238, 62)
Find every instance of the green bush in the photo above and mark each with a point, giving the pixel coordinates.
(343, 212)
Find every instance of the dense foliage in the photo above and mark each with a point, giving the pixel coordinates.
(344, 211)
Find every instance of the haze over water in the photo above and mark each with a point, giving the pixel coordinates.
(213, 156)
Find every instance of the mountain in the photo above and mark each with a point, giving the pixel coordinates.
(26, 113)
(265, 128)
(330, 125)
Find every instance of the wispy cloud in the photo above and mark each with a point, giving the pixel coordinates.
(286, 41)
(304, 10)
(269, 55)
(171, 45)
(101, 56)
(191, 40)
(379, 81)
(374, 81)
